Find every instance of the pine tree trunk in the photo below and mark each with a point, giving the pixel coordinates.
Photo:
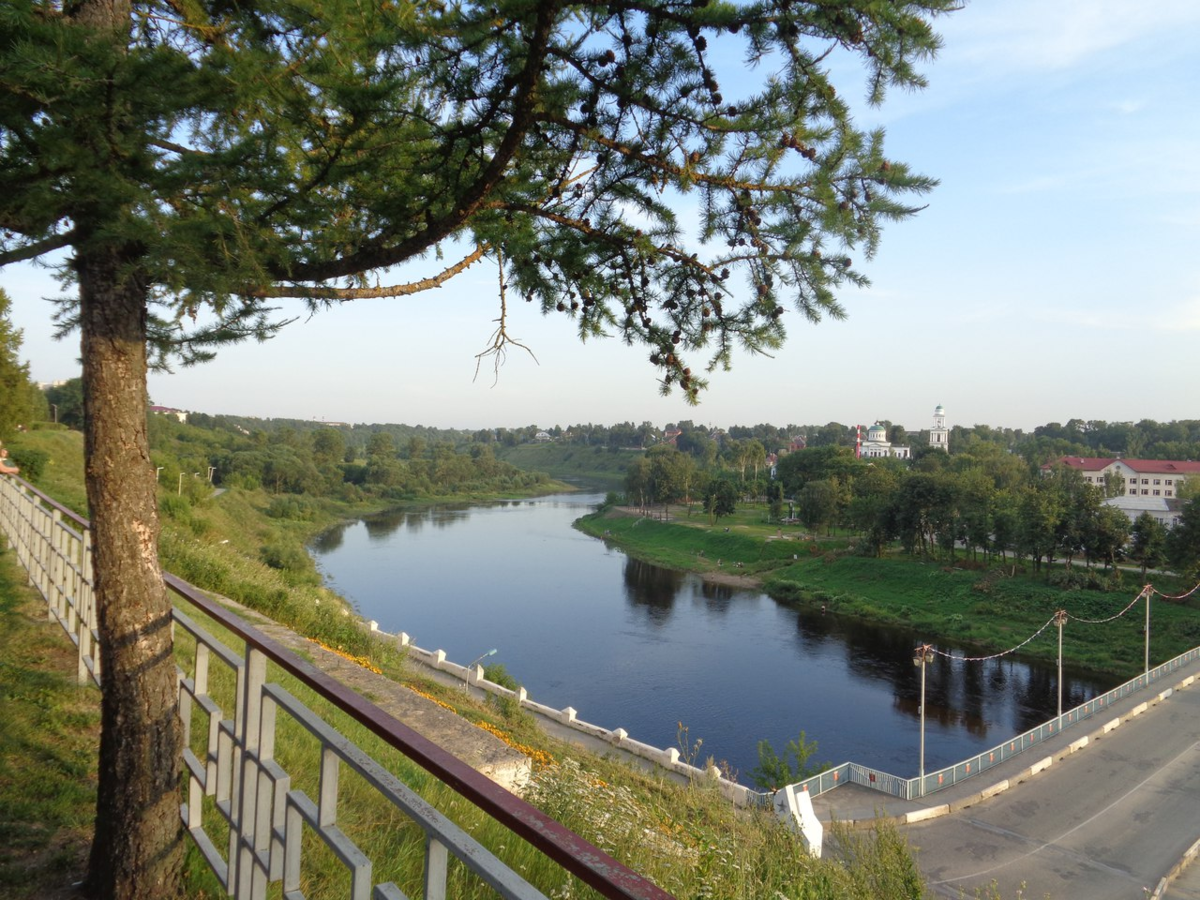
(137, 850)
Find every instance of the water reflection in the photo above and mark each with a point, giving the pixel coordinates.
(330, 540)
(651, 589)
(718, 598)
(988, 698)
(633, 645)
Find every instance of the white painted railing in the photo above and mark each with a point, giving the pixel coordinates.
(235, 781)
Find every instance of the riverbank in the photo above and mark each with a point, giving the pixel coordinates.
(686, 839)
(958, 603)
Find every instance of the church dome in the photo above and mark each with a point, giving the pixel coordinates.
(876, 433)
(940, 411)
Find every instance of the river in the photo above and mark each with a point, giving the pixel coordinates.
(651, 650)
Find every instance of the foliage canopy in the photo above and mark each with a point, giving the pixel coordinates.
(303, 149)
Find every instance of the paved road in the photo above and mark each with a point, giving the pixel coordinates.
(1107, 822)
(1104, 823)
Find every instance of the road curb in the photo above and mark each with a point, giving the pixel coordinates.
(1184, 861)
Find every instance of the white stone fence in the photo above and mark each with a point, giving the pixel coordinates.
(669, 759)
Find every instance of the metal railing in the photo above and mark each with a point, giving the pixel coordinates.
(239, 795)
(912, 788)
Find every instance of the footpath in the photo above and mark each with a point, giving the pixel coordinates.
(479, 749)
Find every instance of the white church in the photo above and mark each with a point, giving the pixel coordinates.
(877, 446)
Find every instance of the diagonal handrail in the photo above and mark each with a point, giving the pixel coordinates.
(53, 545)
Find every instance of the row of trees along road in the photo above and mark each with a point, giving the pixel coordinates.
(304, 150)
(982, 501)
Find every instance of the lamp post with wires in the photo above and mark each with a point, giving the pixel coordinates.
(921, 656)
(1060, 619)
(1146, 590)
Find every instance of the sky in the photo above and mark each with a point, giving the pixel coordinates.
(1055, 273)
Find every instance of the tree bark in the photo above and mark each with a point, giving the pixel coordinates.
(138, 844)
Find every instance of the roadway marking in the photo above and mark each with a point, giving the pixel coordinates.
(1070, 831)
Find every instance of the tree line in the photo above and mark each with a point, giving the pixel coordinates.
(322, 461)
(982, 502)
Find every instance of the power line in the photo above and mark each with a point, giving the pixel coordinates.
(1145, 592)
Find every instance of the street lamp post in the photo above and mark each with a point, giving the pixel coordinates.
(1060, 619)
(921, 656)
(1147, 659)
(471, 668)
(158, 471)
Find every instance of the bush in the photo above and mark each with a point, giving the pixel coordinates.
(289, 559)
(298, 509)
(175, 507)
(774, 771)
(32, 463)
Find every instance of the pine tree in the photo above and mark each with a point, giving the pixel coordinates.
(304, 148)
(16, 406)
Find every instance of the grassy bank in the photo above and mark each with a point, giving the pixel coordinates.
(990, 609)
(48, 745)
(249, 545)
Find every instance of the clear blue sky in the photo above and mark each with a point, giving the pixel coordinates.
(1055, 273)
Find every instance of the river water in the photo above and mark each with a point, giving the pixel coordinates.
(650, 650)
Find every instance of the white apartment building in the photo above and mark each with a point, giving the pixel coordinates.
(1151, 485)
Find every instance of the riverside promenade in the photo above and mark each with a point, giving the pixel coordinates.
(1106, 810)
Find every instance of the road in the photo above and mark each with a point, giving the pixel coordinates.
(1106, 822)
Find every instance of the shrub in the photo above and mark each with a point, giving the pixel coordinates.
(31, 462)
(774, 771)
(298, 509)
(175, 507)
(291, 560)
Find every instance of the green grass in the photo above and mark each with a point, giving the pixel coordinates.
(62, 477)
(687, 839)
(48, 746)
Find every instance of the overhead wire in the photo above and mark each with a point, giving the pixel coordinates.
(1145, 592)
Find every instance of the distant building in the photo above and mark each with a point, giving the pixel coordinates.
(168, 411)
(939, 434)
(542, 437)
(877, 446)
(1151, 485)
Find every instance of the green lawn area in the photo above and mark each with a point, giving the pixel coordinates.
(48, 747)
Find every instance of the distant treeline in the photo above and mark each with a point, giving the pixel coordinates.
(292, 457)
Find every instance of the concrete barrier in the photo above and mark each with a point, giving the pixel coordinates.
(920, 815)
(997, 788)
(667, 758)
